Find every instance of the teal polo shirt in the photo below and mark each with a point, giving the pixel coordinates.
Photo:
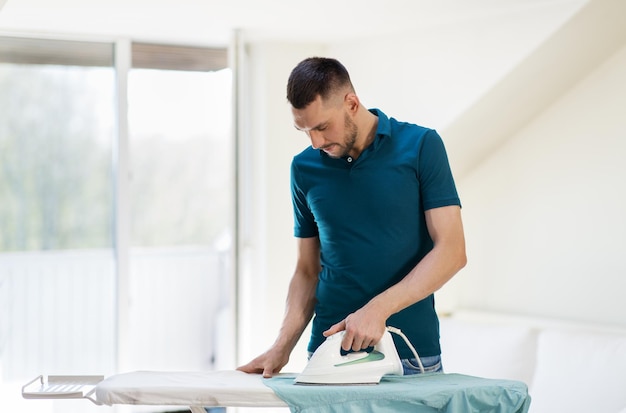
(369, 216)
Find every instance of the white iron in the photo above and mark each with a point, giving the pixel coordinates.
(329, 366)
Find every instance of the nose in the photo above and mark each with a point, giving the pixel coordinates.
(317, 139)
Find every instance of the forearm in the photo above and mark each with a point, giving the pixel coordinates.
(298, 310)
(434, 270)
(300, 303)
(428, 276)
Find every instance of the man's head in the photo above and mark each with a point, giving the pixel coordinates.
(324, 105)
(317, 76)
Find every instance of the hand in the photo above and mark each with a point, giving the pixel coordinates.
(363, 329)
(268, 363)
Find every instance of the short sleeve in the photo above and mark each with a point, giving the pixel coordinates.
(435, 176)
(304, 221)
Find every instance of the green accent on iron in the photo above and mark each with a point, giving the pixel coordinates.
(372, 356)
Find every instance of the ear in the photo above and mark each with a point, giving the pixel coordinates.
(352, 102)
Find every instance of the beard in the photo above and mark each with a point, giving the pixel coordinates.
(351, 132)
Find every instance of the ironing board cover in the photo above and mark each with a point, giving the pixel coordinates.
(212, 388)
(428, 393)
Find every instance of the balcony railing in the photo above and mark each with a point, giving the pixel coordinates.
(58, 311)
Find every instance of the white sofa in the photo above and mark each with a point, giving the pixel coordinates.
(568, 367)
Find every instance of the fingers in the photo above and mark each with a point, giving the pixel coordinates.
(356, 342)
(267, 372)
(250, 368)
(268, 364)
(267, 369)
(360, 343)
(351, 340)
(335, 328)
(358, 335)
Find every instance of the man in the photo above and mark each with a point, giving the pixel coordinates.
(378, 223)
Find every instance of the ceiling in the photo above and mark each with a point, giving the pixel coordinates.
(211, 22)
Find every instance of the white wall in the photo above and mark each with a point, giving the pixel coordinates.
(430, 77)
(545, 214)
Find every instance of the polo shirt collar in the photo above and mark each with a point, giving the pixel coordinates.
(383, 128)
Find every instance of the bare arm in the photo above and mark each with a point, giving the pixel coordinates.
(298, 310)
(365, 326)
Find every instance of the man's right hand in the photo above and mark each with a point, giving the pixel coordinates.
(268, 363)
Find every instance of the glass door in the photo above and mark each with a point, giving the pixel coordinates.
(181, 196)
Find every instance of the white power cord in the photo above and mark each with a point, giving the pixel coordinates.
(408, 343)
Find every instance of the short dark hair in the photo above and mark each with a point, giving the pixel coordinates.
(315, 76)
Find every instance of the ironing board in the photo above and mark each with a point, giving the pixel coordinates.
(228, 388)
(237, 389)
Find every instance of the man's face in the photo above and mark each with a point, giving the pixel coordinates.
(328, 125)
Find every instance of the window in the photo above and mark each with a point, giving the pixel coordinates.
(59, 206)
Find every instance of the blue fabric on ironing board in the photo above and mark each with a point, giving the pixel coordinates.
(420, 393)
